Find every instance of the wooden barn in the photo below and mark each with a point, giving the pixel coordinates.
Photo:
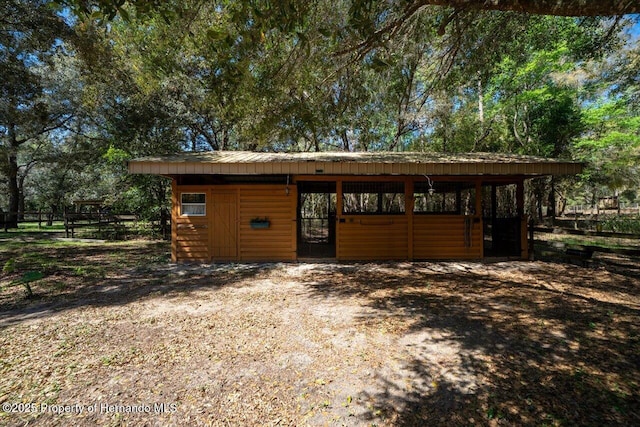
(244, 206)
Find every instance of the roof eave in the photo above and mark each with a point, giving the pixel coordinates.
(353, 168)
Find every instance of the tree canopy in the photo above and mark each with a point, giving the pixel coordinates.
(91, 84)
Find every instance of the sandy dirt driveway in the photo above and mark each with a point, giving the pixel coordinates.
(457, 343)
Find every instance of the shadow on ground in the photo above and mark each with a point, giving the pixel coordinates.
(98, 275)
(512, 344)
(480, 344)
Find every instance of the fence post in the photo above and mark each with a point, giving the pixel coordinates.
(66, 224)
(531, 240)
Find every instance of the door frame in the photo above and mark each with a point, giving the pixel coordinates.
(323, 250)
(233, 229)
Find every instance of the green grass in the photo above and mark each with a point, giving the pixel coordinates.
(27, 228)
(33, 226)
(49, 266)
(128, 230)
(603, 242)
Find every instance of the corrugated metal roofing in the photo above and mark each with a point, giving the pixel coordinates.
(348, 163)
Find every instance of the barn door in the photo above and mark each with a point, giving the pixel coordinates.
(317, 219)
(224, 239)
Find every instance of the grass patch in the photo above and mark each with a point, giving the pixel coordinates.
(33, 226)
(48, 267)
(603, 242)
(140, 229)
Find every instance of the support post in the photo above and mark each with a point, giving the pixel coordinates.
(408, 206)
(522, 220)
(531, 240)
(339, 210)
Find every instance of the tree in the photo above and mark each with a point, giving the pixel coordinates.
(109, 8)
(533, 7)
(31, 36)
(611, 147)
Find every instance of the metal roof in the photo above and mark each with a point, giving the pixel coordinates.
(349, 163)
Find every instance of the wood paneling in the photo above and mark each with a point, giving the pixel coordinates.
(189, 234)
(191, 241)
(446, 237)
(363, 237)
(225, 234)
(224, 225)
(278, 241)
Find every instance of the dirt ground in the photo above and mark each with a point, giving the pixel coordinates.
(358, 344)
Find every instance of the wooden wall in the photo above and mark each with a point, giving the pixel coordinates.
(387, 237)
(278, 242)
(190, 235)
(364, 237)
(225, 233)
(447, 237)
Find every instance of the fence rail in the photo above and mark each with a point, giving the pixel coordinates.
(624, 208)
(29, 217)
(106, 224)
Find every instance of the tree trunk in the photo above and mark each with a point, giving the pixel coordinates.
(50, 215)
(551, 206)
(21, 197)
(345, 140)
(480, 104)
(12, 177)
(14, 195)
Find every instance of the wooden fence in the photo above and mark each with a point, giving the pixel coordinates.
(107, 225)
(39, 217)
(589, 210)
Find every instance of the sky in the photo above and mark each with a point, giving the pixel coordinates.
(635, 30)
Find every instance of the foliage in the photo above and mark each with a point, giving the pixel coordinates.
(118, 80)
(620, 224)
(610, 144)
(26, 279)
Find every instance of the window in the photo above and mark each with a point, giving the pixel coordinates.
(373, 197)
(448, 198)
(193, 204)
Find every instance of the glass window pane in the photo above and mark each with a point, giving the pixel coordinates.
(193, 204)
(193, 198)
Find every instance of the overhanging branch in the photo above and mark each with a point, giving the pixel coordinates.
(543, 7)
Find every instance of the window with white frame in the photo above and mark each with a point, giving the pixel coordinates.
(193, 204)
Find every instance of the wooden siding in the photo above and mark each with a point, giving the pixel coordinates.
(278, 241)
(190, 235)
(447, 237)
(224, 225)
(226, 234)
(373, 237)
(169, 168)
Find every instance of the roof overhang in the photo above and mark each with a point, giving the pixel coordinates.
(348, 163)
